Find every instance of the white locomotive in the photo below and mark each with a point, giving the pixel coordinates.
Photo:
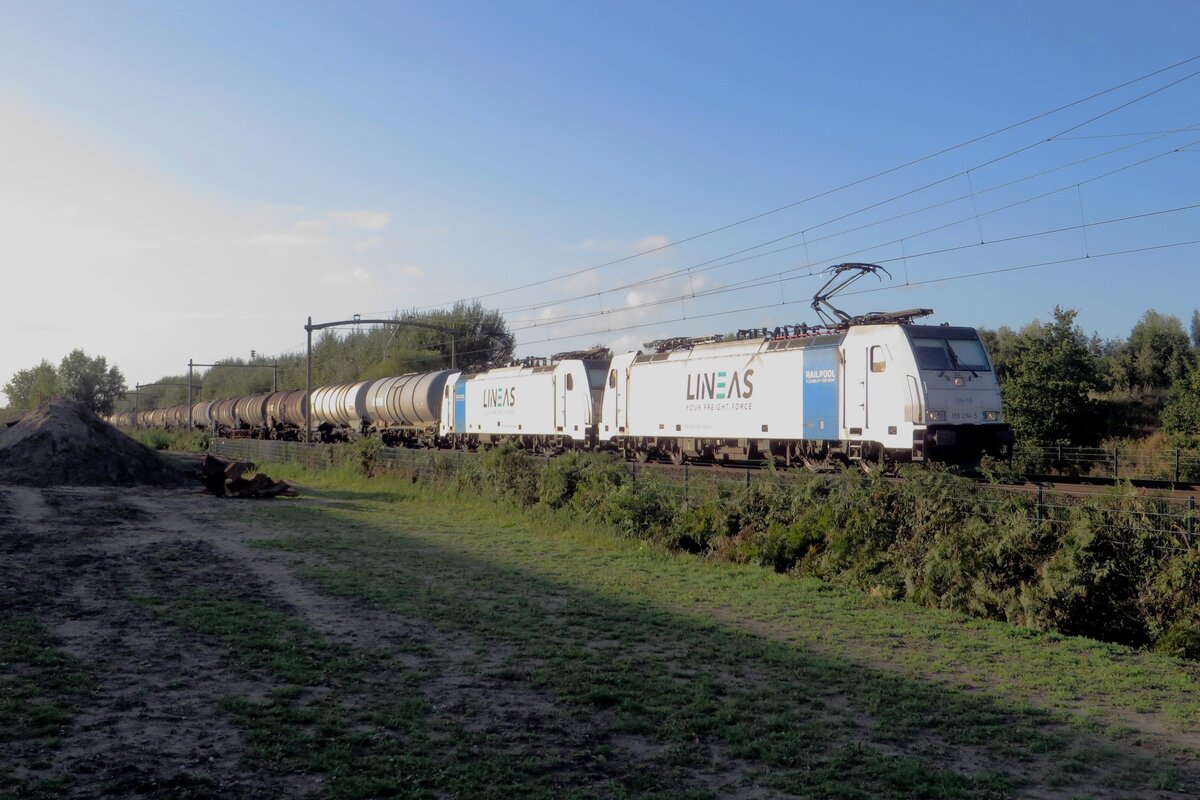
(875, 390)
(872, 393)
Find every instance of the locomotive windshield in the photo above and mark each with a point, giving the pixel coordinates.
(950, 354)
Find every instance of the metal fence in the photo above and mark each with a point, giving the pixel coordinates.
(1163, 464)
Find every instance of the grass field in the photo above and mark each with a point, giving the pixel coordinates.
(378, 638)
(718, 677)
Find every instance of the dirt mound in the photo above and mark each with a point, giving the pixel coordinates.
(63, 442)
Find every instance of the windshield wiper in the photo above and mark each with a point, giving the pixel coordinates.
(954, 361)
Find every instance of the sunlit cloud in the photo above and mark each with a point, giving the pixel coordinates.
(362, 219)
(355, 276)
(288, 240)
(412, 271)
(652, 241)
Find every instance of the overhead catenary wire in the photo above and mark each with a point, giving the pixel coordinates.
(882, 173)
(777, 278)
(719, 262)
(863, 250)
(943, 279)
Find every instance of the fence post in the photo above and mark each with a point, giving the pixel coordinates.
(1116, 462)
(685, 484)
(747, 477)
(1039, 503)
(1177, 465)
(1191, 525)
(633, 470)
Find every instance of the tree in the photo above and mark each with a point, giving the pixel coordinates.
(1000, 344)
(90, 381)
(1181, 417)
(1050, 374)
(29, 387)
(1196, 329)
(1157, 354)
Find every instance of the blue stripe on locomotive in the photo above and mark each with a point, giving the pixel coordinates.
(821, 393)
(460, 406)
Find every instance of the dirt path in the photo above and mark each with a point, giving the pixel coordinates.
(84, 560)
(79, 558)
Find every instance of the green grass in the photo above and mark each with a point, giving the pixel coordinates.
(41, 691)
(820, 692)
(354, 717)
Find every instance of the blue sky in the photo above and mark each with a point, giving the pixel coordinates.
(187, 180)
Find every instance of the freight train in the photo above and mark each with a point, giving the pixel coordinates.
(876, 392)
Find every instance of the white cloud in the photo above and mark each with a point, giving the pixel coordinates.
(654, 241)
(362, 219)
(311, 226)
(146, 273)
(412, 271)
(651, 241)
(288, 240)
(366, 244)
(355, 276)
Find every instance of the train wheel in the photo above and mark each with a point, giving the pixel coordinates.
(678, 457)
(813, 464)
(641, 455)
(877, 463)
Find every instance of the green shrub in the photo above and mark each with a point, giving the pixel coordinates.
(645, 510)
(1182, 639)
(703, 521)
(1110, 569)
(598, 481)
(508, 472)
(783, 547)
(365, 455)
(557, 481)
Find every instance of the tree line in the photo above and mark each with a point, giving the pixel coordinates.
(478, 336)
(78, 376)
(1062, 387)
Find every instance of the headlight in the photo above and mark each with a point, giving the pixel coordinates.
(991, 416)
(937, 416)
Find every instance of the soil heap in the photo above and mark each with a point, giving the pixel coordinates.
(63, 442)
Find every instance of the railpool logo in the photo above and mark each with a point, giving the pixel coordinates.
(500, 398)
(720, 385)
(820, 376)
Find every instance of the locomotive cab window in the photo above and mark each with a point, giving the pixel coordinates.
(951, 354)
(570, 382)
(878, 359)
(612, 379)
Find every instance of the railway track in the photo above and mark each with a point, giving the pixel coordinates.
(732, 471)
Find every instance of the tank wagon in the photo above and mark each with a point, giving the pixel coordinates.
(405, 409)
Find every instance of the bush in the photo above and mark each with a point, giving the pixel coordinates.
(703, 521)
(1109, 569)
(561, 476)
(600, 478)
(642, 511)
(365, 456)
(508, 472)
